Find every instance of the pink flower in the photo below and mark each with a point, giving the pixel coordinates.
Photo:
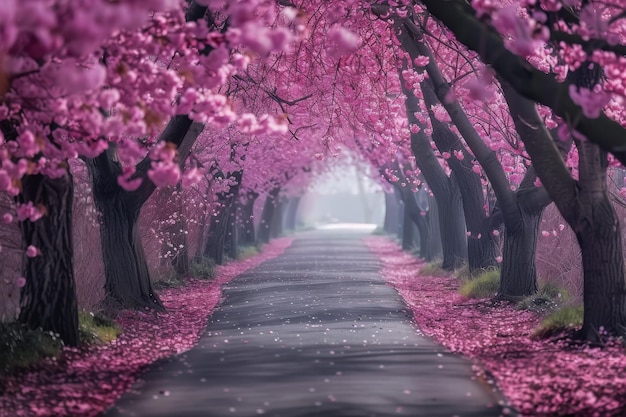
(126, 183)
(7, 218)
(421, 61)
(21, 281)
(496, 233)
(545, 233)
(28, 211)
(31, 251)
(591, 102)
(341, 42)
(190, 177)
(164, 173)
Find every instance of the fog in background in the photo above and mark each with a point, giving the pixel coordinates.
(346, 194)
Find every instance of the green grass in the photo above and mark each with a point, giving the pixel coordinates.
(563, 319)
(203, 269)
(484, 285)
(168, 278)
(433, 269)
(548, 299)
(95, 329)
(21, 347)
(246, 252)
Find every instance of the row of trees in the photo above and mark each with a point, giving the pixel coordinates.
(477, 115)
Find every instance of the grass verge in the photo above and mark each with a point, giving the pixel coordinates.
(21, 347)
(483, 285)
(95, 329)
(434, 269)
(563, 319)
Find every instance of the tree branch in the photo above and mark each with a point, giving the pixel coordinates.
(460, 18)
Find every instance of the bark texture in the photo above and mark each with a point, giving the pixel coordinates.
(48, 300)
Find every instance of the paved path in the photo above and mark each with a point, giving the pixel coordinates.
(314, 332)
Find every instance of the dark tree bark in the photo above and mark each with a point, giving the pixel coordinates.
(599, 235)
(408, 237)
(264, 233)
(421, 217)
(220, 225)
(526, 80)
(176, 242)
(231, 244)
(278, 219)
(291, 213)
(482, 253)
(127, 279)
(517, 214)
(390, 222)
(245, 219)
(586, 207)
(48, 300)
(445, 189)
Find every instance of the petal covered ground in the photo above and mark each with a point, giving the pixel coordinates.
(538, 377)
(86, 382)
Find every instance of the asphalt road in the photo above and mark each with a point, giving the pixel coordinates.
(313, 332)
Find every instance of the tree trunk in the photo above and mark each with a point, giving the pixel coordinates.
(128, 282)
(599, 235)
(127, 279)
(269, 207)
(291, 213)
(48, 300)
(604, 298)
(445, 189)
(518, 276)
(245, 219)
(481, 253)
(231, 244)
(278, 219)
(408, 238)
(586, 207)
(390, 222)
(219, 227)
(176, 234)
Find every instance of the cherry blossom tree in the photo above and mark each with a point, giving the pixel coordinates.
(587, 38)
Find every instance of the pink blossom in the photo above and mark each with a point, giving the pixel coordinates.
(421, 61)
(126, 182)
(28, 211)
(341, 42)
(7, 218)
(190, 177)
(31, 251)
(164, 173)
(545, 233)
(21, 281)
(441, 113)
(495, 232)
(591, 102)
(28, 144)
